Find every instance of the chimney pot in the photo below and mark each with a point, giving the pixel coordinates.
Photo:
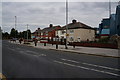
(51, 25)
(74, 21)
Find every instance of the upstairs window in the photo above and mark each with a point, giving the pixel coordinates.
(71, 31)
(62, 32)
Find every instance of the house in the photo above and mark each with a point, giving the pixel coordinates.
(36, 34)
(77, 32)
(49, 32)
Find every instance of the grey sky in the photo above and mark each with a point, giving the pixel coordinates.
(41, 14)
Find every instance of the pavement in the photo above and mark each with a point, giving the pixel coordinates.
(105, 52)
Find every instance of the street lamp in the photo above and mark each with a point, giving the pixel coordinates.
(15, 25)
(27, 32)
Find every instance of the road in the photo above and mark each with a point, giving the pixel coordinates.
(20, 61)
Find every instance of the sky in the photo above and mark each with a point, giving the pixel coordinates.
(41, 14)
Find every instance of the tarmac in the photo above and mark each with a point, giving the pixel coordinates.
(104, 52)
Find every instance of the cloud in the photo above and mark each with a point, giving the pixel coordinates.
(59, 0)
(41, 14)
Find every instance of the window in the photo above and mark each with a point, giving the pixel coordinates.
(56, 32)
(71, 31)
(62, 32)
(46, 32)
(41, 33)
(71, 38)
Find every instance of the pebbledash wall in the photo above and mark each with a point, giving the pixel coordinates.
(80, 34)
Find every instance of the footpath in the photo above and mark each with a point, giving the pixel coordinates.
(105, 52)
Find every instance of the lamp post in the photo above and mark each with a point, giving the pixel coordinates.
(66, 24)
(109, 8)
(15, 25)
(27, 32)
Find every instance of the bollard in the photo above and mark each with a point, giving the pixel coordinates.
(73, 46)
(52, 44)
(44, 44)
(35, 44)
(56, 46)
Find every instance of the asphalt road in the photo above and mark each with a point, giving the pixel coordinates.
(20, 61)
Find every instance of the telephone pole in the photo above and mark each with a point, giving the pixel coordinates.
(109, 8)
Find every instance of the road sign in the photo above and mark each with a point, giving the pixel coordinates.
(67, 34)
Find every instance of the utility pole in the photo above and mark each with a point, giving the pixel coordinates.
(27, 32)
(15, 25)
(66, 24)
(109, 8)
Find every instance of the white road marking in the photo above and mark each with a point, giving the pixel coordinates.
(110, 73)
(31, 52)
(34, 53)
(92, 65)
(70, 60)
(11, 49)
(18, 48)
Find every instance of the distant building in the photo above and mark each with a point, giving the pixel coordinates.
(77, 32)
(0, 33)
(104, 27)
(113, 29)
(117, 24)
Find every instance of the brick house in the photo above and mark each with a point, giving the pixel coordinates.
(36, 34)
(49, 32)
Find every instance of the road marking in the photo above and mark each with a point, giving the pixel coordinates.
(110, 73)
(70, 60)
(18, 48)
(92, 65)
(33, 53)
(11, 49)
(28, 51)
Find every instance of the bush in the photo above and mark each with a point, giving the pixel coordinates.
(104, 40)
(26, 43)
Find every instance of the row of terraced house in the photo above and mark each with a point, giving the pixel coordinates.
(76, 32)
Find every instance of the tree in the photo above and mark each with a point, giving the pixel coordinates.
(5, 35)
(29, 34)
(14, 33)
(24, 34)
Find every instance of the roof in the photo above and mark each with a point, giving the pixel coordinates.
(112, 16)
(76, 26)
(49, 29)
(37, 31)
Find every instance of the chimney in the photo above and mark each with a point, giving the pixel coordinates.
(38, 28)
(51, 25)
(74, 21)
